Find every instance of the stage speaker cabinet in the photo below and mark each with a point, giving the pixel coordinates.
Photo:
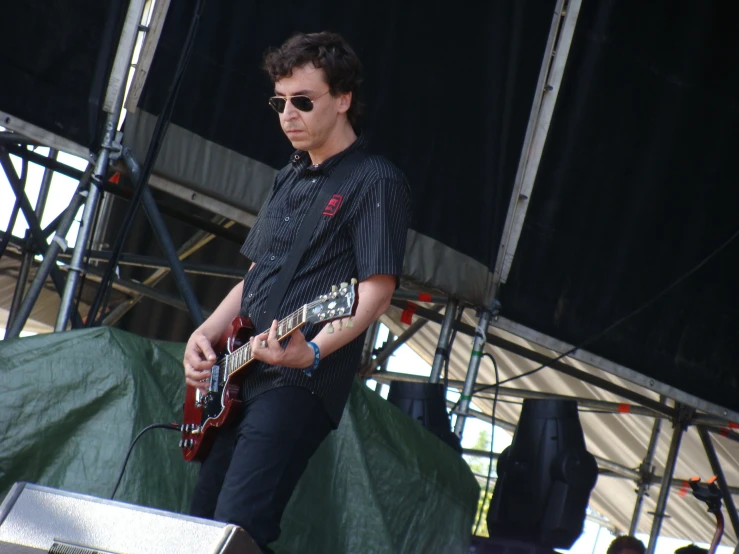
(37, 519)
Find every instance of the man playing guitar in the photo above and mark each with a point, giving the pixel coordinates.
(296, 393)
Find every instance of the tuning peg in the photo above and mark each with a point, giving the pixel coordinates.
(330, 328)
(343, 285)
(349, 323)
(354, 281)
(334, 288)
(341, 324)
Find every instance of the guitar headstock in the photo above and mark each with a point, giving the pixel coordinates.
(337, 304)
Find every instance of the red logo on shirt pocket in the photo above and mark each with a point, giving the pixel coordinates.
(333, 205)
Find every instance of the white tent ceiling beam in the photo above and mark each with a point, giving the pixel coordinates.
(612, 468)
(615, 369)
(547, 89)
(442, 348)
(600, 405)
(560, 366)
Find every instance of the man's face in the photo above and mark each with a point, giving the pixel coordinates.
(309, 131)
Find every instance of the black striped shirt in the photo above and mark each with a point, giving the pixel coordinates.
(364, 236)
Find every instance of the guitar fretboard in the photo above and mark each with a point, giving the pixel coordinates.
(242, 356)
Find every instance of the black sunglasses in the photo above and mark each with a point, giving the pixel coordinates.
(302, 102)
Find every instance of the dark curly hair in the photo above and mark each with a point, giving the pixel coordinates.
(626, 542)
(327, 51)
(691, 549)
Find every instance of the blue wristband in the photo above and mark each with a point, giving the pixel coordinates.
(316, 359)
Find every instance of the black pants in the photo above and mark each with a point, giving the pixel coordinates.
(253, 467)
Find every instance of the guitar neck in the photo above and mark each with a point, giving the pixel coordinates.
(242, 356)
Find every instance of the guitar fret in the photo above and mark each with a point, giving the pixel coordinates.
(242, 356)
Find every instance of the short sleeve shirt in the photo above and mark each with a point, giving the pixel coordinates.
(361, 232)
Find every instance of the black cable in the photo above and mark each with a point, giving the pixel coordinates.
(492, 442)
(155, 144)
(170, 426)
(618, 322)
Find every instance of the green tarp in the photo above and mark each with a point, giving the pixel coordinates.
(74, 401)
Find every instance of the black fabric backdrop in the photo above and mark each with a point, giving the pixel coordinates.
(55, 58)
(447, 93)
(638, 184)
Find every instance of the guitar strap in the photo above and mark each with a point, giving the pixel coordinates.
(305, 232)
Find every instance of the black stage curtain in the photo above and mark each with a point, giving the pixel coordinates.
(55, 59)
(637, 186)
(448, 89)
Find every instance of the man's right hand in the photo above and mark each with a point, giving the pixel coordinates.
(199, 358)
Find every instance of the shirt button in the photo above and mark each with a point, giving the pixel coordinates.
(272, 258)
(287, 218)
(313, 181)
(251, 294)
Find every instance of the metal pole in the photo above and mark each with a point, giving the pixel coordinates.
(165, 241)
(43, 193)
(469, 383)
(719, 473)
(49, 262)
(551, 73)
(33, 223)
(88, 215)
(646, 474)
(664, 491)
(442, 349)
(27, 260)
(370, 339)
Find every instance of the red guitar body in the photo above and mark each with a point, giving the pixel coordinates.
(204, 413)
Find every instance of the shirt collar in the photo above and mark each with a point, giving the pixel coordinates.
(301, 160)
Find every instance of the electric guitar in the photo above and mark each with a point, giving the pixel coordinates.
(204, 412)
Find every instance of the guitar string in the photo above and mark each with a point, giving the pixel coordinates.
(245, 351)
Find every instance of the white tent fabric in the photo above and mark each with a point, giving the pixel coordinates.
(621, 438)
